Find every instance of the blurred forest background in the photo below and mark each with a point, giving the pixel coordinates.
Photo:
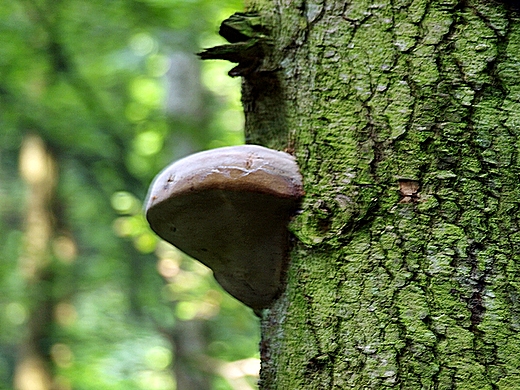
(96, 97)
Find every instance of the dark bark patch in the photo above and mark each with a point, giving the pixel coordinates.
(475, 302)
(511, 4)
(317, 364)
(476, 307)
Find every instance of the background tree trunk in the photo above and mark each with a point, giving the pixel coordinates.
(405, 120)
(38, 169)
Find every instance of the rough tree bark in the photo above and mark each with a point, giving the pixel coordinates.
(405, 119)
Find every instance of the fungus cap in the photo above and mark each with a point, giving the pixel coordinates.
(229, 208)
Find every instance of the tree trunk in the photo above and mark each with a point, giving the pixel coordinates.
(405, 120)
(38, 170)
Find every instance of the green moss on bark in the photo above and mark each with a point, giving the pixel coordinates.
(389, 287)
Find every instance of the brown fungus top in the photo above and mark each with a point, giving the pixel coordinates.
(229, 208)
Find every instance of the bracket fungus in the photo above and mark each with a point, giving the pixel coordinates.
(229, 208)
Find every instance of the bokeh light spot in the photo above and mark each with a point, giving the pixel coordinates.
(16, 313)
(158, 358)
(148, 143)
(142, 44)
(62, 355)
(145, 243)
(123, 202)
(147, 91)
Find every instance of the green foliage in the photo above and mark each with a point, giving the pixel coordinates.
(116, 93)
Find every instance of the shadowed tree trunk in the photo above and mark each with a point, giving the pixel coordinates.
(404, 117)
(189, 342)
